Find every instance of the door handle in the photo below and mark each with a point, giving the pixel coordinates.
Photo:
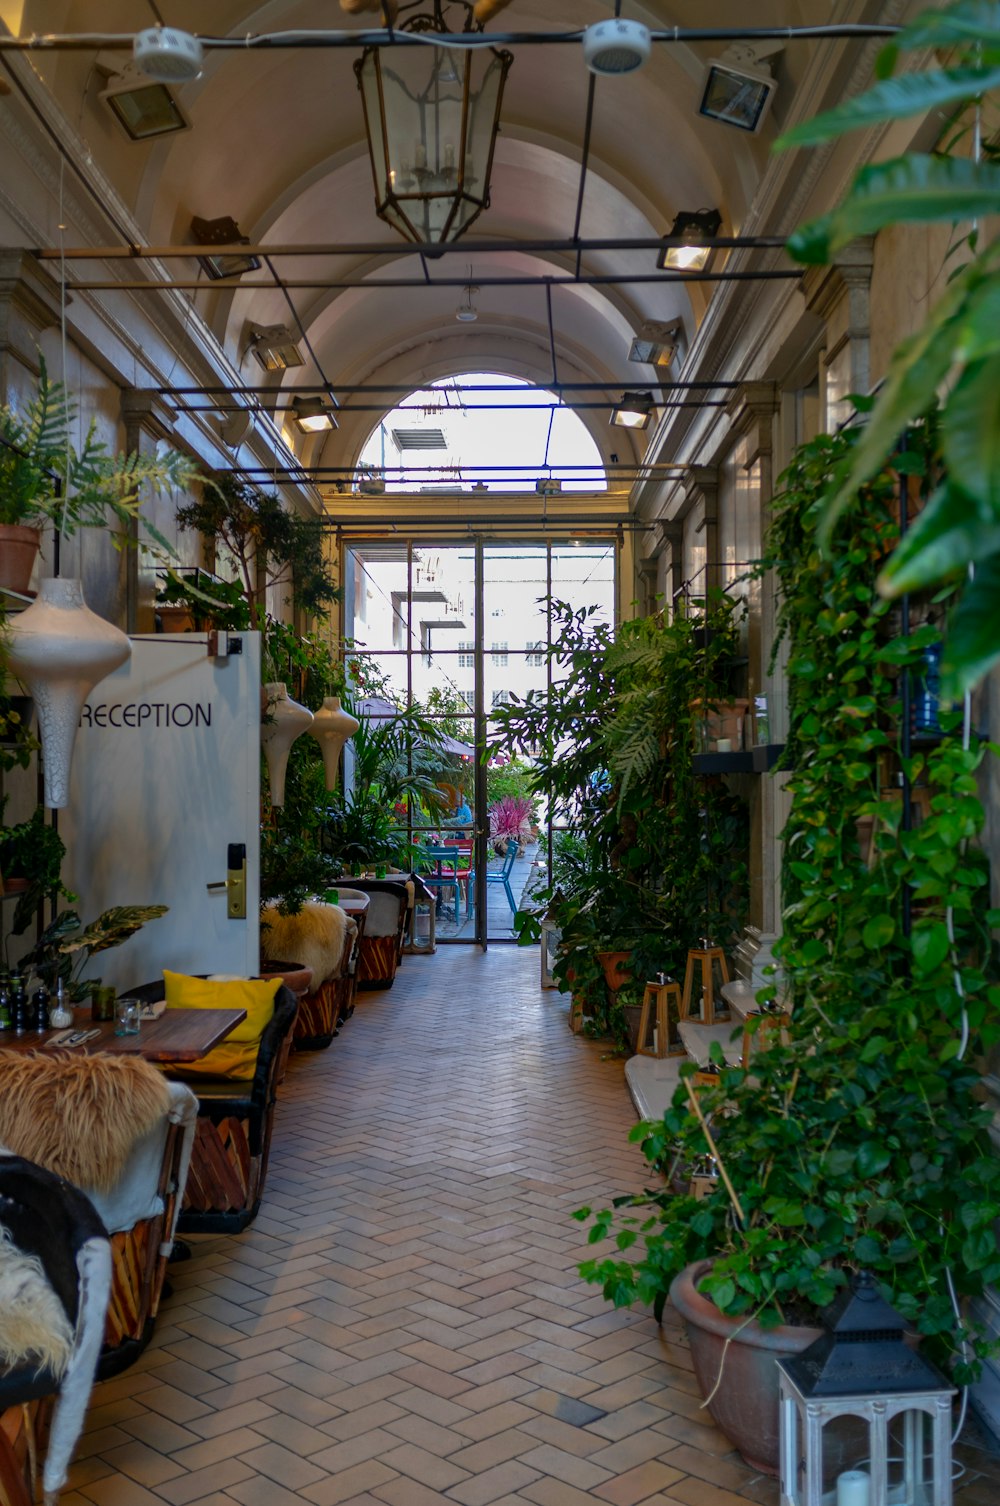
(235, 882)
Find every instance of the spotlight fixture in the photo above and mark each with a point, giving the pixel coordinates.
(634, 411)
(222, 232)
(170, 56)
(142, 107)
(233, 428)
(467, 313)
(548, 486)
(614, 47)
(685, 249)
(738, 89)
(274, 347)
(656, 343)
(313, 415)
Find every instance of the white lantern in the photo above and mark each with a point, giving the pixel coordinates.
(865, 1420)
(286, 720)
(332, 727)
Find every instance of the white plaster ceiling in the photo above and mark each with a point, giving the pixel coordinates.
(278, 144)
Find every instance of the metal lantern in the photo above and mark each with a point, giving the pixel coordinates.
(865, 1420)
(431, 117)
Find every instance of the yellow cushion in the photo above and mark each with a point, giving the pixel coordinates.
(236, 1056)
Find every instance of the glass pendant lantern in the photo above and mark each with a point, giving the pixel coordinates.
(432, 113)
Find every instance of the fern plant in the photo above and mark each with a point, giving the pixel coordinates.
(44, 479)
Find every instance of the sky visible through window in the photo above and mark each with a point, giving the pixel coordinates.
(443, 439)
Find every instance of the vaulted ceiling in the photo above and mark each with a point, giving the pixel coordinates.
(277, 142)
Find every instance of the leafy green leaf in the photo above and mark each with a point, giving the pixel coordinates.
(878, 931)
(973, 643)
(951, 531)
(930, 946)
(915, 189)
(971, 434)
(976, 21)
(893, 99)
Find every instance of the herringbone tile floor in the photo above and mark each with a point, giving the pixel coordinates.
(404, 1325)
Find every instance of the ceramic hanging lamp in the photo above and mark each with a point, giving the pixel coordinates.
(332, 727)
(59, 649)
(286, 720)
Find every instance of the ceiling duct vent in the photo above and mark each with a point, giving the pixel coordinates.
(419, 439)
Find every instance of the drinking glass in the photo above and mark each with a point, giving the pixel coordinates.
(127, 1016)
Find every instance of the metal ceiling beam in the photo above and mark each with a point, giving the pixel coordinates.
(461, 248)
(408, 390)
(356, 40)
(320, 284)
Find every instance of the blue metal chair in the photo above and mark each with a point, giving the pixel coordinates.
(499, 875)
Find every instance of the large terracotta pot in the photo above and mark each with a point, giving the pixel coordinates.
(745, 1401)
(616, 968)
(18, 552)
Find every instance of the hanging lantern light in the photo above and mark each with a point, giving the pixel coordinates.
(431, 117)
(865, 1420)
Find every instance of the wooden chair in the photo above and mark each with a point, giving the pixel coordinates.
(232, 1139)
(51, 1221)
(140, 1212)
(381, 946)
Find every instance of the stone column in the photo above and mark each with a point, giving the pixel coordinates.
(29, 304)
(840, 295)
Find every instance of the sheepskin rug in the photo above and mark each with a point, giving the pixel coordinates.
(319, 937)
(34, 1328)
(78, 1116)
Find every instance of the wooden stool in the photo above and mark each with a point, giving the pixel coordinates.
(704, 956)
(659, 996)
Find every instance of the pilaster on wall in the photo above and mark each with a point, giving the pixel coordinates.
(752, 412)
(148, 421)
(701, 514)
(29, 304)
(840, 295)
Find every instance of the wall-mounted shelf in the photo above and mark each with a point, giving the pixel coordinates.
(723, 763)
(765, 756)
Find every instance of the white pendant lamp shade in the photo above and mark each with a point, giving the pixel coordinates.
(59, 649)
(332, 727)
(286, 720)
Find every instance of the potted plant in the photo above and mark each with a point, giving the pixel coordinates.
(67, 945)
(31, 858)
(45, 480)
(268, 544)
(854, 1138)
(194, 600)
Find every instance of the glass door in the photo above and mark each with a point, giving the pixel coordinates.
(442, 636)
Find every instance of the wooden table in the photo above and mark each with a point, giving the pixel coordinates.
(179, 1035)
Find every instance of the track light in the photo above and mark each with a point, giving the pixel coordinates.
(170, 56)
(738, 89)
(222, 232)
(687, 248)
(143, 107)
(313, 415)
(634, 411)
(274, 347)
(656, 343)
(614, 47)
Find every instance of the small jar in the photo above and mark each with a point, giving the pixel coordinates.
(102, 1003)
(61, 1013)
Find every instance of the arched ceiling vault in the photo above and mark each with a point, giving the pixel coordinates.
(277, 142)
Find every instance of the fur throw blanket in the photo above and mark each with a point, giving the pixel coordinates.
(484, 10)
(34, 1328)
(318, 937)
(79, 1116)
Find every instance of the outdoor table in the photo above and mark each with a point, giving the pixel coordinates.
(178, 1035)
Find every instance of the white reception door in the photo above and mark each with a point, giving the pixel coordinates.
(166, 775)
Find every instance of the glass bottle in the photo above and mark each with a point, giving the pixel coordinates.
(19, 1005)
(40, 1008)
(6, 1023)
